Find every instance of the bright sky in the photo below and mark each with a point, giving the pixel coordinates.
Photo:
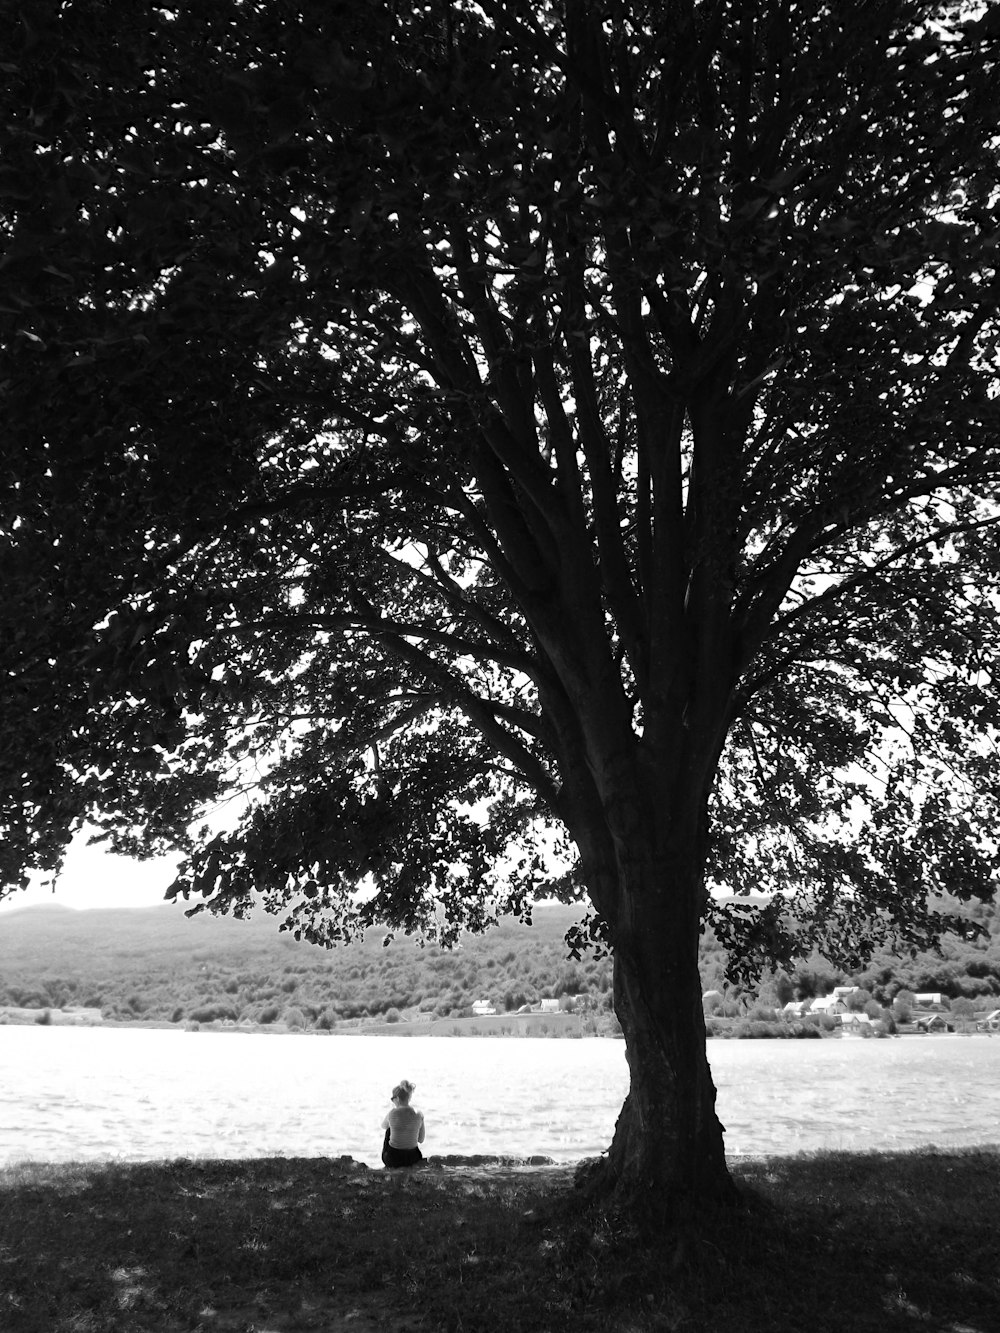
(93, 878)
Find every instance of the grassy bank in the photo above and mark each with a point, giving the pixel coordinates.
(829, 1243)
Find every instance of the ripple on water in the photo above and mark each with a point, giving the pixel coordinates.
(90, 1092)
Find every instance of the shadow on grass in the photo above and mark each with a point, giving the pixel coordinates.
(827, 1242)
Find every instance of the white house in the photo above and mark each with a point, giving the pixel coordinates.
(932, 1023)
(855, 1025)
(795, 1008)
(928, 1000)
(481, 1008)
(827, 1004)
(991, 1023)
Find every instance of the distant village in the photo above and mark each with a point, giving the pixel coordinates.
(566, 1004)
(929, 1012)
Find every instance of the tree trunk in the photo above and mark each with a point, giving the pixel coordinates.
(667, 1155)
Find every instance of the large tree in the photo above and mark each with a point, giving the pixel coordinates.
(441, 424)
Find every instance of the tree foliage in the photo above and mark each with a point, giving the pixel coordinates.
(442, 423)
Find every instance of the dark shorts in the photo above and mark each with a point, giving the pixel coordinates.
(399, 1156)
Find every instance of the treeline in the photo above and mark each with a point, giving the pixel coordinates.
(156, 965)
(959, 970)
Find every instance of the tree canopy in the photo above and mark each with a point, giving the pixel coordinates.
(448, 423)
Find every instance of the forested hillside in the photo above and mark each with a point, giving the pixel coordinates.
(957, 970)
(154, 964)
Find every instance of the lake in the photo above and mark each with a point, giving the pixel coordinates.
(139, 1093)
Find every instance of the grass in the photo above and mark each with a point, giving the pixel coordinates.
(827, 1242)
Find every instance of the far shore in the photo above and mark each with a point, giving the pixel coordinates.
(536, 1025)
(495, 1025)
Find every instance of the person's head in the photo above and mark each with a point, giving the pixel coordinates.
(402, 1091)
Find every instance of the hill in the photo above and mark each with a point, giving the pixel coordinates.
(154, 964)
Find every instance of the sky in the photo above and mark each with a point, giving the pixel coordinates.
(93, 878)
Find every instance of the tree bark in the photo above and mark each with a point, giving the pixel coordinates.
(668, 1155)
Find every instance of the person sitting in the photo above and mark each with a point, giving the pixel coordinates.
(404, 1129)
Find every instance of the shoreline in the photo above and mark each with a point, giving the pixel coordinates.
(534, 1026)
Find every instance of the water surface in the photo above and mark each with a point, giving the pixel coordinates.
(140, 1094)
